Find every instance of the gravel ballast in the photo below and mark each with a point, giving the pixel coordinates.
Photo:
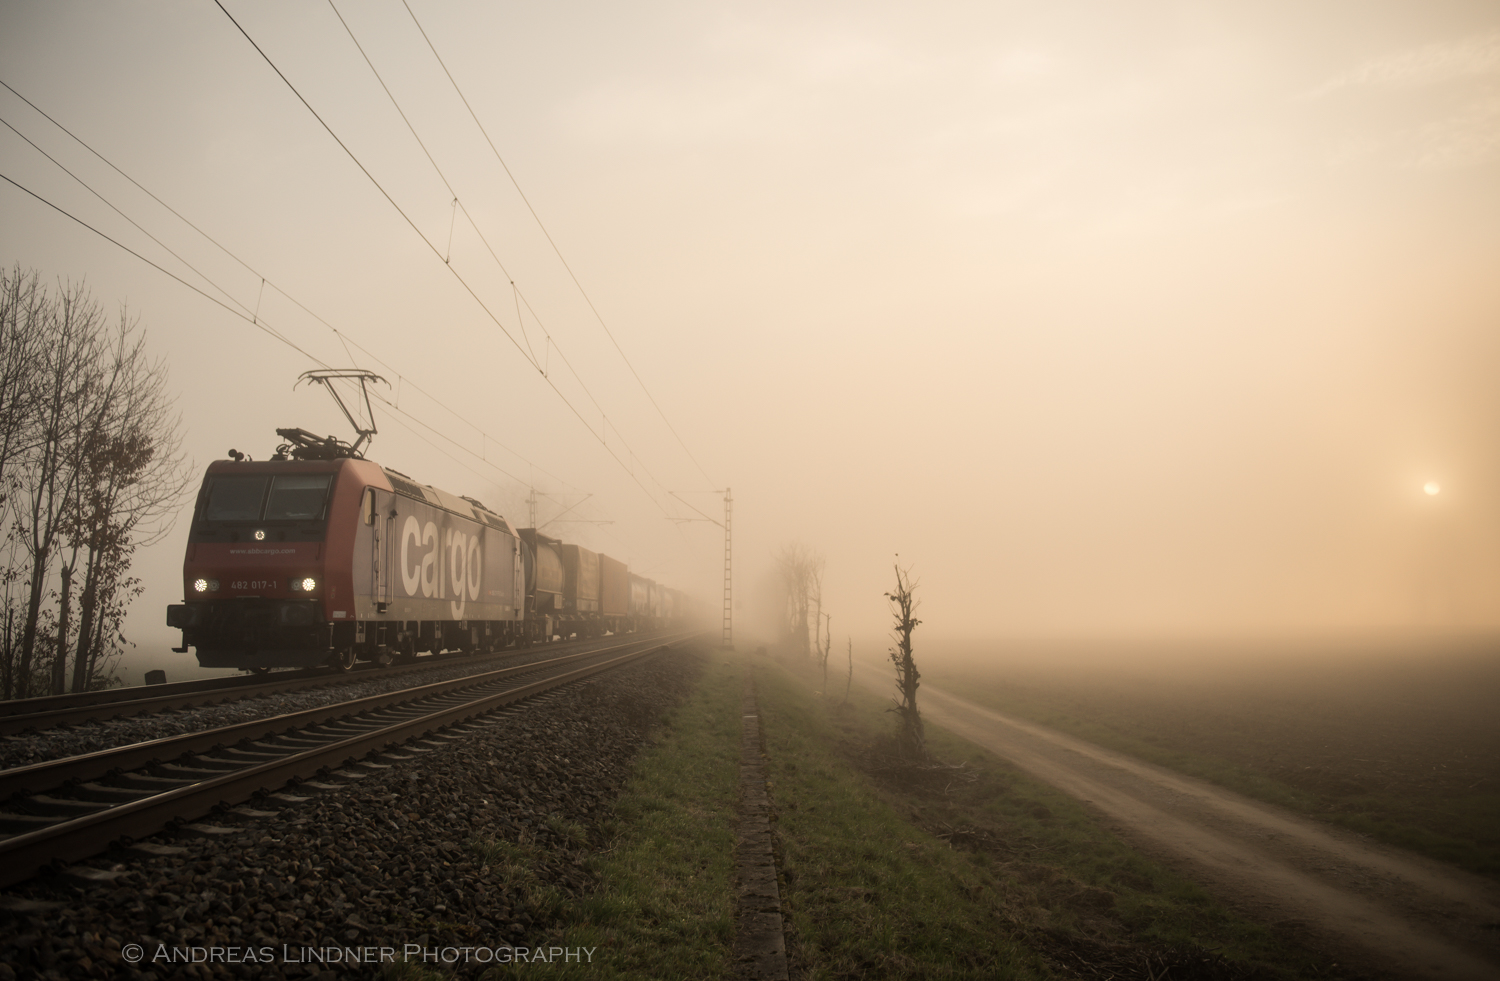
(71, 740)
(456, 857)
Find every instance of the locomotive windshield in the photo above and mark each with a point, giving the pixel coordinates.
(235, 498)
(298, 497)
(262, 497)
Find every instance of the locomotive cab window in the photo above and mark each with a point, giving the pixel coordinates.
(298, 497)
(286, 506)
(235, 498)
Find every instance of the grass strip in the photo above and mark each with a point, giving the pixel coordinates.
(664, 906)
(869, 894)
(973, 871)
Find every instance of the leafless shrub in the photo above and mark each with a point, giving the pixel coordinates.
(849, 681)
(911, 739)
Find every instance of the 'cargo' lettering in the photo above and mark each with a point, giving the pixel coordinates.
(410, 578)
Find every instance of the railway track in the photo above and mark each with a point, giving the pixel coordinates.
(21, 715)
(65, 810)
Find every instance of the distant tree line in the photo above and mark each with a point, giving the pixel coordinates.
(91, 469)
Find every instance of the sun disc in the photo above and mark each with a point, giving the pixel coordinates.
(1431, 487)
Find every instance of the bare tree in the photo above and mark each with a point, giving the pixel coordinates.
(911, 739)
(92, 470)
(21, 336)
(797, 566)
(815, 607)
(131, 477)
(64, 382)
(824, 649)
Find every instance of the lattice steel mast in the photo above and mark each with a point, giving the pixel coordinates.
(728, 525)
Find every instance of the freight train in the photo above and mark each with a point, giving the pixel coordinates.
(318, 556)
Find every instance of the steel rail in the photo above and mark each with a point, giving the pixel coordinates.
(206, 688)
(46, 775)
(24, 855)
(54, 710)
(42, 704)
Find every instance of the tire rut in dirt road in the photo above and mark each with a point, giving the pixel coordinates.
(1390, 912)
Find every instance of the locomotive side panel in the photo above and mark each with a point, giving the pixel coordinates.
(429, 563)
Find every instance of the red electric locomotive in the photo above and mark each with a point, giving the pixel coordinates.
(319, 557)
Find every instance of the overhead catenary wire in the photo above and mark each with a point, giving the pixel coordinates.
(79, 140)
(384, 193)
(364, 170)
(343, 337)
(552, 242)
(458, 204)
(253, 318)
(122, 214)
(212, 299)
(398, 414)
(259, 324)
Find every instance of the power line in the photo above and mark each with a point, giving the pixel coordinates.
(216, 301)
(550, 241)
(253, 316)
(378, 186)
(117, 211)
(435, 251)
(261, 324)
(343, 338)
(132, 180)
(458, 203)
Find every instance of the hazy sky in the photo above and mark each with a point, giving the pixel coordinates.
(1107, 317)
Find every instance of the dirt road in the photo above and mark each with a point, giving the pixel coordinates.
(1392, 913)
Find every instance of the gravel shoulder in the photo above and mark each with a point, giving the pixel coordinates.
(71, 740)
(1391, 913)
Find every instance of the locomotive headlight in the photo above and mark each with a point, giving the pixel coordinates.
(205, 585)
(304, 585)
(260, 535)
